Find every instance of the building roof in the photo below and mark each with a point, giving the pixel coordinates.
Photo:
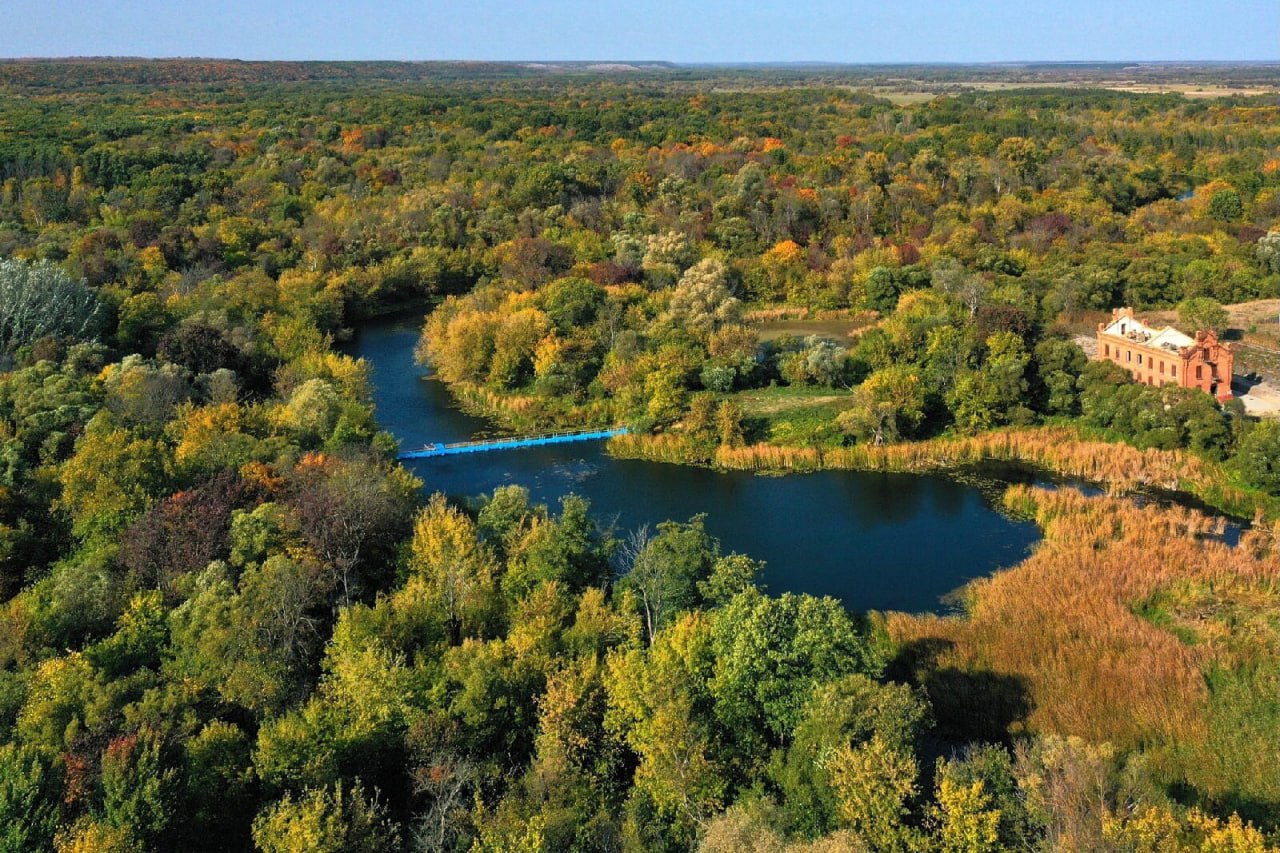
(1135, 330)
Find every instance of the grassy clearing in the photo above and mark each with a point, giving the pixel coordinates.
(839, 329)
(761, 402)
(794, 415)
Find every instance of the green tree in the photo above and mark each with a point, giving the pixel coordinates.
(771, 653)
(570, 550)
(138, 791)
(665, 571)
(1258, 456)
(996, 393)
(887, 406)
(219, 790)
(112, 479)
(28, 804)
(846, 712)
(326, 820)
(1202, 314)
(1225, 205)
(1058, 365)
(572, 303)
(655, 701)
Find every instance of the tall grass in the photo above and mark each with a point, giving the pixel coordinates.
(1121, 468)
(800, 312)
(1066, 622)
(675, 448)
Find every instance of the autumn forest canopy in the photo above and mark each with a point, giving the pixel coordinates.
(233, 621)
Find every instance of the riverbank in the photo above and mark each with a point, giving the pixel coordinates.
(1060, 450)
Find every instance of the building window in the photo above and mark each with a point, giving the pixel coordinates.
(1139, 358)
(1128, 355)
(1199, 371)
(1106, 350)
(1162, 368)
(1173, 369)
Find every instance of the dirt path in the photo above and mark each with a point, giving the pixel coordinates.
(1088, 343)
(1260, 400)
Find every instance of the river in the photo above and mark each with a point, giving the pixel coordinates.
(874, 540)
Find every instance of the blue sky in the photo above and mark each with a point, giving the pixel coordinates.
(716, 31)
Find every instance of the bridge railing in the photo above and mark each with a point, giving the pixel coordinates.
(512, 442)
(543, 436)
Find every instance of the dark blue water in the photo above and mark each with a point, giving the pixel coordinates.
(874, 540)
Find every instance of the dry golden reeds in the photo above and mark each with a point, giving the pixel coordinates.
(1121, 468)
(1065, 620)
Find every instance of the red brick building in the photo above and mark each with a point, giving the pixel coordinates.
(1166, 356)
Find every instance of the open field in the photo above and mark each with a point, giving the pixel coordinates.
(837, 330)
(908, 96)
(798, 415)
(774, 401)
(838, 326)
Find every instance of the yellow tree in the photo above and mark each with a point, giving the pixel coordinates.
(873, 782)
(964, 819)
(457, 572)
(112, 479)
(654, 697)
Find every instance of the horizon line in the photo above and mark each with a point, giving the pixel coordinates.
(736, 63)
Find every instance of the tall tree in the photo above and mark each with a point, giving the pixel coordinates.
(40, 299)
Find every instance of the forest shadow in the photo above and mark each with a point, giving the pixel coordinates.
(968, 705)
(1263, 813)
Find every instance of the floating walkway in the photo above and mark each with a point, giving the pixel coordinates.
(461, 447)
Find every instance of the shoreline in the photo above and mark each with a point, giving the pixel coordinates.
(1120, 469)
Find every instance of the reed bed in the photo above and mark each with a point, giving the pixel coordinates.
(1120, 468)
(1066, 621)
(663, 447)
(1056, 449)
(782, 312)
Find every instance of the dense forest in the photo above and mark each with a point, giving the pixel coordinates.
(232, 621)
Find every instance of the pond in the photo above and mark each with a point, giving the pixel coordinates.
(874, 540)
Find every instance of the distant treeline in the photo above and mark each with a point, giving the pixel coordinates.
(79, 73)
